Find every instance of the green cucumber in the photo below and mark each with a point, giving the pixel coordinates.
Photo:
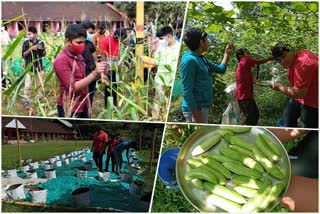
(264, 148)
(201, 174)
(241, 170)
(272, 196)
(246, 182)
(267, 164)
(245, 191)
(223, 203)
(225, 192)
(242, 158)
(207, 144)
(216, 166)
(236, 129)
(254, 202)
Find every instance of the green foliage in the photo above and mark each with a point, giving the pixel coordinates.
(162, 12)
(256, 26)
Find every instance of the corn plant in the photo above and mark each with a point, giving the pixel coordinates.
(136, 100)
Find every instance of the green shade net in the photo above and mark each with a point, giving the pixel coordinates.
(113, 194)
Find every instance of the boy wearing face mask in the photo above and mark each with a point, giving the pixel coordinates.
(89, 55)
(33, 49)
(69, 66)
(98, 36)
(166, 59)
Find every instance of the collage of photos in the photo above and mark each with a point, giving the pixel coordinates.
(158, 106)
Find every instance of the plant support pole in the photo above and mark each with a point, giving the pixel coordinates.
(18, 142)
(139, 46)
(152, 148)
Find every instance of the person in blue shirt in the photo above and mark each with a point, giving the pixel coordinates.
(196, 74)
(118, 153)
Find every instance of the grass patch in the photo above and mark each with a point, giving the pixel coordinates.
(40, 150)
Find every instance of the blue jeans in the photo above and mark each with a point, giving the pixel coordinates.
(204, 115)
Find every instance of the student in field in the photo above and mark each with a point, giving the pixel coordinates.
(196, 74)
(110, 48)
(118, 153)
(33, 49)
(303, 74)
(89, 55)
(110, 153)
(166, 59)
(100, 141)
(244, 82)
(69, 66)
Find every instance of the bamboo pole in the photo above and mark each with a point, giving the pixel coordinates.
(152, 149)
(140, 37)
(18, 142)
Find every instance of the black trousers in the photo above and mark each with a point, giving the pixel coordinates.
(305, 156)
(250, 112)
(113, 161)
(107, 89)
(294, 110)
(97, 157)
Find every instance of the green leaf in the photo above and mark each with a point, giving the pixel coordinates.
(214, 28)
(299, 6)
(13, 45)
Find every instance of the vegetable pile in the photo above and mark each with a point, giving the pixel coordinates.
(242, 177)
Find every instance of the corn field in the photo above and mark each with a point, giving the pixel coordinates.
(136, 100)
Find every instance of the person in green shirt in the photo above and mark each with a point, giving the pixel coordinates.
(166, 60)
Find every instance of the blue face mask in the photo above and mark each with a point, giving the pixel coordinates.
(89, 37)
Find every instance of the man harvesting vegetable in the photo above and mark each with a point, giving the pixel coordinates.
(303, 75)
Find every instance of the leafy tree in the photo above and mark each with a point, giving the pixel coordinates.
(256, 26)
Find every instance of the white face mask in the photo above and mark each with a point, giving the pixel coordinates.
(163, 42)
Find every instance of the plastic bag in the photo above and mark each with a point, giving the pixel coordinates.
(232, 114)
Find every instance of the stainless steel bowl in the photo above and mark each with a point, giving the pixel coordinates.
(195, 195)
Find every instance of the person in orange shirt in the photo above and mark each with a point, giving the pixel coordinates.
(97, 38)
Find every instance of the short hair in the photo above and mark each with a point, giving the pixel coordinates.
(239, 52)
(278, 49)
(102, 27)
(165, 30)
(193, 36)
(120, 33)
(32, 29)
(87, 24)
(132, 144)
(74, 31)
(178, 24)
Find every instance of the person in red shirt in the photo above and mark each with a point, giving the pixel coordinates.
(69, 66)
(110, 48)
(303, 75)
(110, 153)
(244, 89)
(100, 141)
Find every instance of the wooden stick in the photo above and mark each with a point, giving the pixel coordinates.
(18, 142)
(152, 148)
